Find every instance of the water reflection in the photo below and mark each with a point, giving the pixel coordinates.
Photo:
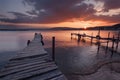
(13, 41)
(17, 39)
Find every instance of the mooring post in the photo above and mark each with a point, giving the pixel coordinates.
(28, 42)
(98, 36)
(98, 41)
(71, 35)
(91, 38)
(79, 37)
(113, 46)
(99, 32)
(107, 43)
(53, 48)
(118, 38)
(98, 47)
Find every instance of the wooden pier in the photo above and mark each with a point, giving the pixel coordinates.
(94, 37)
(32, 63)
(99, 40)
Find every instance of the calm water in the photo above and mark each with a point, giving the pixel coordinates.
(67, 51)
(16, 40)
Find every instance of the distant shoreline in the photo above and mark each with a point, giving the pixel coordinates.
(53, 30)
(113, 28)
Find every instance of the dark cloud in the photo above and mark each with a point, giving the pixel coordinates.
(55, 11)
(19, 18)
(19, 15)
(110, 4)
(32, 12)
(2, 16)
(59, 10)
(109, 19)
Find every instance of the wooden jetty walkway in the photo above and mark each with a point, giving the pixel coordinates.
(95, 37)
(32, 63)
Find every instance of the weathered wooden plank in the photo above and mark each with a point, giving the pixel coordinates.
(27, 56)
(45, 76)
(28, 60)
(59, 77)
(43, 57)
(33, 67)
(35, 73)
(15, 64)
(30, 73)
(30, 54)
(23, 65)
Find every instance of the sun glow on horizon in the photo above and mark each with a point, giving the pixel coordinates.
(85, 27)
(75, 24)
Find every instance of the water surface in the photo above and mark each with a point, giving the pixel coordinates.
(71, 56)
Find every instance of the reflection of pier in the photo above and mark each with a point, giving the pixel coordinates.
(32, 63)
(99, 40)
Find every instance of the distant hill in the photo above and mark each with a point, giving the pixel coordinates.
(64, 28)
(117, 26)
(14, 28)
(113, 27)
(18, 28)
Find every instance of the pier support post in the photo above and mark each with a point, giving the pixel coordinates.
(98, 48)
(107, 43)
(79, 37)
(118, 38)
(113, 46)
(53, 48)
(91, 38)
(28, 42)
(71, 35)
(98, 41)
(99, 32)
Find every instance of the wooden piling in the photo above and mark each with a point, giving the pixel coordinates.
(113, 46)
(107, 43)
(71, 35)
(53, 48)
(28, 42)
(91, 38)
(99, 32)
(98, 41)
(118, 38)
(98, 48)
(79, 37)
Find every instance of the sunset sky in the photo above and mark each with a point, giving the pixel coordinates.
(59, 13)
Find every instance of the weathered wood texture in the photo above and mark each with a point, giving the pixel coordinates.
(32, 63)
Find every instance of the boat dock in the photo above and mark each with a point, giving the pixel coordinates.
(97, 37)
(32, 63)
(114, 40)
